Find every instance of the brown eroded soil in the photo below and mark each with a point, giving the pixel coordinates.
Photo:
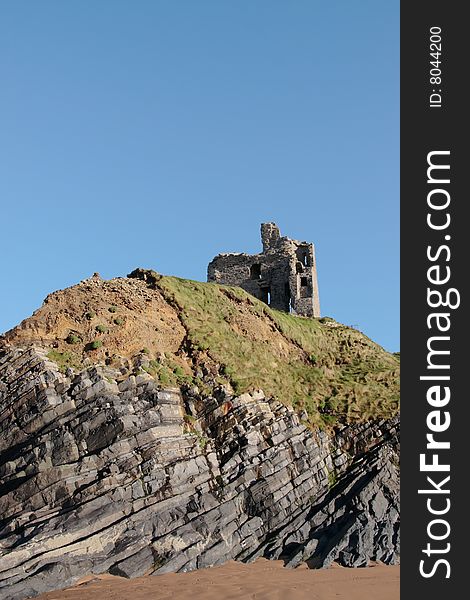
(144, 318)
(262, 580)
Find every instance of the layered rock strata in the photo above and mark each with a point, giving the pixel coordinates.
(101, 473)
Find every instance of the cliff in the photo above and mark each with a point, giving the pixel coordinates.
(152, 424)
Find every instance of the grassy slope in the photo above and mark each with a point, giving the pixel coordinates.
(183, 331)
(333, 371)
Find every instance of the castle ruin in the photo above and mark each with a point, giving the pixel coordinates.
(283, 275)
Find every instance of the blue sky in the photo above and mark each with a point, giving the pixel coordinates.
(158, 133)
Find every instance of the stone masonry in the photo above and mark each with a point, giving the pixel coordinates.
(283, 275)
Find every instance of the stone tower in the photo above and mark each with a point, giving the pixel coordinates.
(283, 275)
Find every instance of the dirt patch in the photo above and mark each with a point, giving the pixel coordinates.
(124, 315)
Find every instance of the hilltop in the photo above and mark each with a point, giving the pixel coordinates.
(193, 334)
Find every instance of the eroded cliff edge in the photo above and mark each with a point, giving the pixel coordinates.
(105, 467)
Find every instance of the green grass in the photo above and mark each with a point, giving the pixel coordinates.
(65, 360)
(335, 372)
(101, 329)
(332, 479)
(168, 373)
(94, 345)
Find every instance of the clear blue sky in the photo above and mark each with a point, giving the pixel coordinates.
(158, 133)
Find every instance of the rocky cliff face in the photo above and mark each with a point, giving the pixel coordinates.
(105, 472)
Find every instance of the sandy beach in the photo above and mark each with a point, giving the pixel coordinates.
(262, 580)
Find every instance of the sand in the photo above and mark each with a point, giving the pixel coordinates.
(262, 580)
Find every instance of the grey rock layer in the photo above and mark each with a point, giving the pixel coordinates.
(127, 478)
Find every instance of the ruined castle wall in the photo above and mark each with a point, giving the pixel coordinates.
(303, 281)
(270, 236)
(316, 294)
(283, 275)
(265, 276)
(231, 269)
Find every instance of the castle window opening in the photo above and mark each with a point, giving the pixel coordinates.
(288, 297)
(304, 281)
(305, 258)
(255, 271)
(266, 295)
(299, 268)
